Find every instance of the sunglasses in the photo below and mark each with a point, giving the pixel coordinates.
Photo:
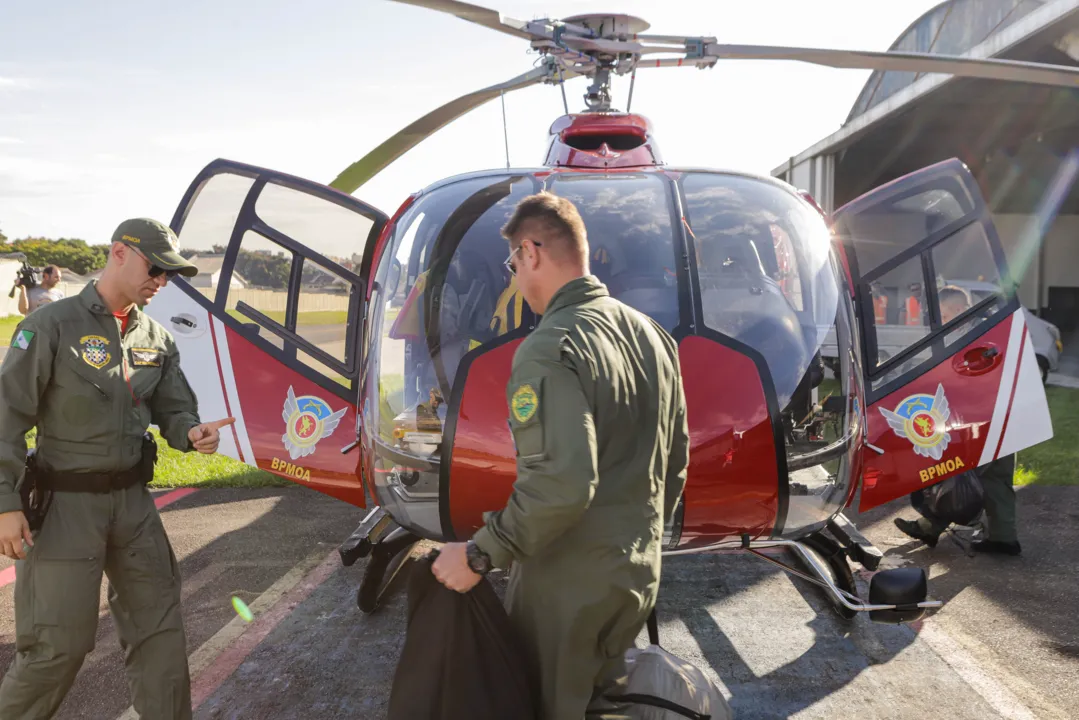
(153, 271)
(508, 262)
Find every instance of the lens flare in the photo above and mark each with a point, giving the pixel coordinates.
(241, 609)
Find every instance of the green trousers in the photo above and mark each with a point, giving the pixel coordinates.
(57, 589)
(575, 630)
(996, 478)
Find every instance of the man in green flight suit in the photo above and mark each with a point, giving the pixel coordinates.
(598, 416)
(92, 372)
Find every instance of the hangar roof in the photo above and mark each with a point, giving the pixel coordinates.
(951, 28)
(1037, 30)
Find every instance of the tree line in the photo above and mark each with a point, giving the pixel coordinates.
(270, 270)
(260, 268)
(72, 253)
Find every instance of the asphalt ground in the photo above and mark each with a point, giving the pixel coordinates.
(1006, 644)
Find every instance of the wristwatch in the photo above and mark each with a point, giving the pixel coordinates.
(478, 560)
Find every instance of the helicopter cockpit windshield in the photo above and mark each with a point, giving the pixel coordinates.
(442, 291)
(767, 280)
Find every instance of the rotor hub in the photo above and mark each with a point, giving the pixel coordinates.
(611, 26)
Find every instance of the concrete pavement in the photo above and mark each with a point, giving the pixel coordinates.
(1006, 645)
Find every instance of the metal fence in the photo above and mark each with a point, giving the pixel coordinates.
(274, 300)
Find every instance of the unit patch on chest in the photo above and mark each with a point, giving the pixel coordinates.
(147, 357)
(95, 351)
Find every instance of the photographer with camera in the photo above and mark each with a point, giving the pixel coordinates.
(33, 294)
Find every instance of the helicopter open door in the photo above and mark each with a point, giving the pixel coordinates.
(951, 379)
(270, 330)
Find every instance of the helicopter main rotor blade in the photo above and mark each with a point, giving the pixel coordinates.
(992, 69)
(373, 162)
(475, 14)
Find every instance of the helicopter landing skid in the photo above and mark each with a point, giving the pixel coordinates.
(389, 546)
(896, 596)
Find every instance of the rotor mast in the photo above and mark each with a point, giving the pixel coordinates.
(595, 46)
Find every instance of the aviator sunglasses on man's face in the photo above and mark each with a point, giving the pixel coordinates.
(153, 270)
(508, 262)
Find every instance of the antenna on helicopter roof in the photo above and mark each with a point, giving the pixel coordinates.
(505, 128)
(562, 85)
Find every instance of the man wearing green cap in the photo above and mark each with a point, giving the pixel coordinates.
(91, 373)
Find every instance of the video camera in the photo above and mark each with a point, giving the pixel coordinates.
(27, 277)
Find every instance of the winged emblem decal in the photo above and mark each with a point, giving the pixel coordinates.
(922, 419)
(308, 419)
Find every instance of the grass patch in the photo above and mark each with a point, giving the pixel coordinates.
(7, 328)
(1056, 461)
(177, 469)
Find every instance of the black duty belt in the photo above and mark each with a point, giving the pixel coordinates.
(101, 482)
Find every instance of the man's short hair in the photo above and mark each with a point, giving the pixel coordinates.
(554, 222)
(49, 270)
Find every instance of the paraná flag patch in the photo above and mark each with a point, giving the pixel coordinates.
(22, 339)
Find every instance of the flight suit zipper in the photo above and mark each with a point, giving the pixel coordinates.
(123, 365)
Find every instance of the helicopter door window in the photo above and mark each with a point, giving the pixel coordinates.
(333, 231)
(968, 282)
(894, 225)
(261, 288)
(905, 311)
(208, 225)
(259, 280)
(322, 316)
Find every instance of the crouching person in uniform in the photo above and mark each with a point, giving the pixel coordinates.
(598, 415)
(91, 373)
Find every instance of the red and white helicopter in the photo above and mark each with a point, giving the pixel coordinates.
(366, 355)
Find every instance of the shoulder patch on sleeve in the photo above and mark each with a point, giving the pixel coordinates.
(525, 403)
(22, 339)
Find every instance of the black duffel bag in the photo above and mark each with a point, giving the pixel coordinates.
(958, 500)
(462, 659)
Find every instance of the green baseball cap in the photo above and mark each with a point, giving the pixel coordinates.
(157, 242)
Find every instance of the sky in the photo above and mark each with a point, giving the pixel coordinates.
(109, 109)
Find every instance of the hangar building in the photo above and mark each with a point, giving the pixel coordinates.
(1021, 142)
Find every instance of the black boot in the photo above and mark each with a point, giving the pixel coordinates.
(914, 530)
(996, 547)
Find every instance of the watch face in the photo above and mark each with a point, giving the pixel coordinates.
(477, 559)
